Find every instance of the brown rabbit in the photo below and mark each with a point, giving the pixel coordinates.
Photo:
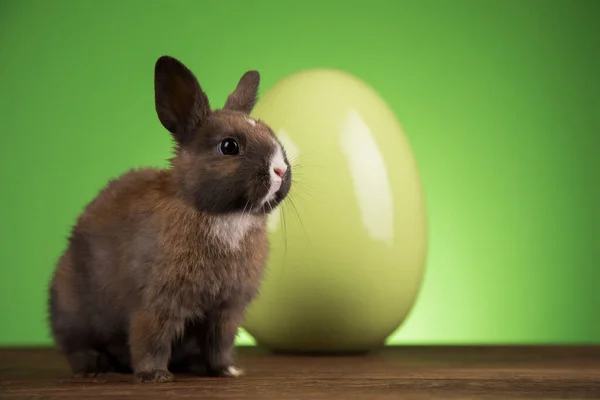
(162, 264)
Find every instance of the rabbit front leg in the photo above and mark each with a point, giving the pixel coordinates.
(150, 340)
(219, 340)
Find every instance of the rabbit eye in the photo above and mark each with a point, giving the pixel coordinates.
(229, 147)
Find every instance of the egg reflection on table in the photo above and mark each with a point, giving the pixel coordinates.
(348, 246)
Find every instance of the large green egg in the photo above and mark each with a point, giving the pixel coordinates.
(348, 247)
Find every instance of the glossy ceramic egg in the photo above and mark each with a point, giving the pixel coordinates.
(348, 247)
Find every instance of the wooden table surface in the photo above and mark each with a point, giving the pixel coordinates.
(506, 373)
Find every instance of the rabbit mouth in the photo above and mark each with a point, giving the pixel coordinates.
(278, 179)
(271, 201)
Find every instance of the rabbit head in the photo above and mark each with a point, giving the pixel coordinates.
(225, 161)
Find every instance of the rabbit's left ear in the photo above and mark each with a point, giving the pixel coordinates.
(181, 104)
(244, 97)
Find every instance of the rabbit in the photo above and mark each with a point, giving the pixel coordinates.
(161, 266)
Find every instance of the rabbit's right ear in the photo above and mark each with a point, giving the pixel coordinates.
(181, 104)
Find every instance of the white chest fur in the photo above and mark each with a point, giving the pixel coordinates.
(230, 230)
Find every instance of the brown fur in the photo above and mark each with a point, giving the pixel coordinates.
(145, 285)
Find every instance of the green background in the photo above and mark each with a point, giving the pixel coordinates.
(499, 99)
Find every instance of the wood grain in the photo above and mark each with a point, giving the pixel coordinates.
(392, 373)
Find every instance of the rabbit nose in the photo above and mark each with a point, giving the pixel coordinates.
(280, 171)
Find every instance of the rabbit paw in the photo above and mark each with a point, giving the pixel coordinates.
(156, 376)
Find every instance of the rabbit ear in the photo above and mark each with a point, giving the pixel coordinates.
(244, 96)
(181, 104)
